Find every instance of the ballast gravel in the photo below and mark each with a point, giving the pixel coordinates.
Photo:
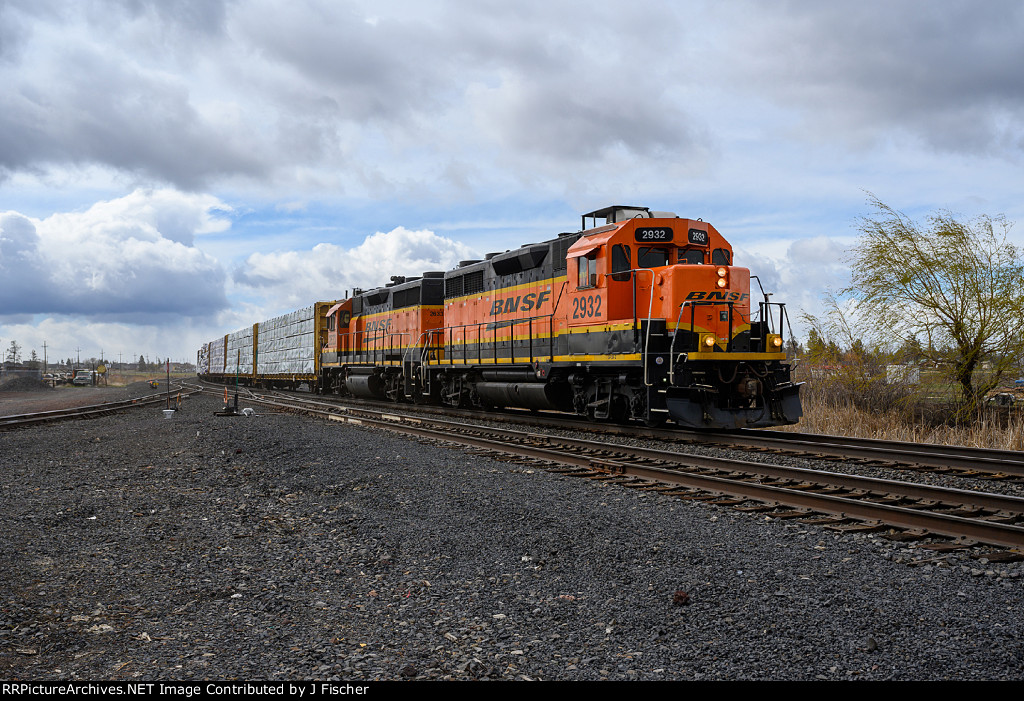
(282, 547)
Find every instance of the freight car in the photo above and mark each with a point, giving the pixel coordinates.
(642, 317)
(282, 352)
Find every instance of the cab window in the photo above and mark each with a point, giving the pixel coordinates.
(621, 262)
(691, 256)
(651, 257)
(588, 270)
(720, 256)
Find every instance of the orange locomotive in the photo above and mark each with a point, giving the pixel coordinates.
(643, 318)
(378, 341)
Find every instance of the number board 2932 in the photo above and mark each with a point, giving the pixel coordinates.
(696, 237)
(653, 233)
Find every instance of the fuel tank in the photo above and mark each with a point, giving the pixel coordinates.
(528, 395)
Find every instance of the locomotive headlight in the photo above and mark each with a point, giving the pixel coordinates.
(722, 272)
(707, 340)
(774, 341)
(721, 282)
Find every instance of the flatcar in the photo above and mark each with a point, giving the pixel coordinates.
(642, 317)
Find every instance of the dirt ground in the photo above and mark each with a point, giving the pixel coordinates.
(63, 397)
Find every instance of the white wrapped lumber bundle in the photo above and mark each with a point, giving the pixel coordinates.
(287, 345)
(216, 356)
(239, 352)
(203, 360)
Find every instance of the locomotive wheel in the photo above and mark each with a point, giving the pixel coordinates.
(619, 410)
(654, 422)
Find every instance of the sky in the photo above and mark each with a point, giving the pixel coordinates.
(173, 170)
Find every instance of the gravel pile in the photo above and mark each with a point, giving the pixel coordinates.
(24, 384)
(280, 547)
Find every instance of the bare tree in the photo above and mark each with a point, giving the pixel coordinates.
(953, 289)
(13, 353)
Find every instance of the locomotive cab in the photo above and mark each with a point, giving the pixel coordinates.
(704, 360)
(338, 340)
(644, 265)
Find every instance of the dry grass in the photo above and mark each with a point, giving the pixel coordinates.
(1003, 430)
(120, 378)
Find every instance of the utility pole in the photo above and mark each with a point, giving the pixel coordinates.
(44, 356)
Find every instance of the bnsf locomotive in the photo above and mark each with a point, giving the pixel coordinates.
(642, 317)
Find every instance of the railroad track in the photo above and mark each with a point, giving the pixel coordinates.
(85, 412)
(840, 501)
(963, 461)
(973, 462)
(981, 463)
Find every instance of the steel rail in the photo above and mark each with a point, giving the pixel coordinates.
(935, 448)
(991, 532)
(89, 410)
(909, 490)
(970, 459)
(1010, 462)
(994, 533)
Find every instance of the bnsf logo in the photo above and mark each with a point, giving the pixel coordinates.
(718, 295)
(522, 303)
(378, 325)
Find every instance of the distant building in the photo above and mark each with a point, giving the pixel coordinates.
(903, 374)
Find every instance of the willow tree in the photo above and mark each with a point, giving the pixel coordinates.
(953, 288)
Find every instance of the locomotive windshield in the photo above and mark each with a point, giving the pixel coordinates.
(620, 262)
(651, 257)
(691, 256)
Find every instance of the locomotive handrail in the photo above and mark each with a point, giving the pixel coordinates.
(432, 344)
(481, 328)
(423, 350)
(764, 312)
(370, 351)
(650, 309)
(764, 309)
(693, 304)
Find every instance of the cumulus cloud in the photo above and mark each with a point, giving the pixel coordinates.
(858, 72)
(342, 95)
(797, 273)
(72, 97)
(570, 123)
(129, 257)
(440, 99)
(23, 268)
(297, 278)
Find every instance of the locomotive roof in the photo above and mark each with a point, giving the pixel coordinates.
(605, 211)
